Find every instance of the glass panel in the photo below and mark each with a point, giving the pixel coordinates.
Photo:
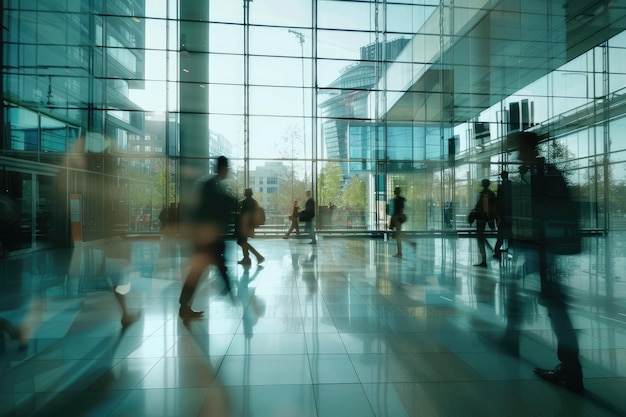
(226, 68)
(18, 202)
(152, 97)
(226, 11)
(226, 38)
(294, 72)
(280, 137)
(53, 135)
(407, 19)
(345, 15)
(24, 125)
(226, 99)
(342, 45)
(226, 135)
(280, 101)
(280, 41)
(292, 12)
(46, 219)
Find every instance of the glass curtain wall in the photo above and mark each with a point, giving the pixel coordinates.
(126, 104)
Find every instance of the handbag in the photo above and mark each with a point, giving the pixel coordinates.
(259, 217)
(305, 216)
(472, 216)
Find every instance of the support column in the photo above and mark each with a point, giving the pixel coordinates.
(193, 78)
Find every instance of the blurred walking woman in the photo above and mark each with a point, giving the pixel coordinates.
(295, 212)
(245, 228)
(397, 218)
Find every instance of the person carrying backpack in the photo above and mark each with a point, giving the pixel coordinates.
(544, 227)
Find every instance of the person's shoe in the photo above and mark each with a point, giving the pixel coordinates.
(313, 242)
(558, 375)
(285, 237)
(130, 318)
(245, 261)
(397, 255)
(482, 265)
(260, 260)
(186, 313)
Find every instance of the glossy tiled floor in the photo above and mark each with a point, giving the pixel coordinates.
(340, 329)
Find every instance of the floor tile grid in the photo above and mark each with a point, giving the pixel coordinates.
(340, 393)
(339, 319)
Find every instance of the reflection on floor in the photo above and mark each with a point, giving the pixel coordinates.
(338, 329)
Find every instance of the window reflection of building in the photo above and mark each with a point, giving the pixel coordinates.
(75, 88)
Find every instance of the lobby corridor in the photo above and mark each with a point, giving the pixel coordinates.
(338, 329)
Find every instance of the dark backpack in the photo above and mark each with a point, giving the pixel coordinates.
(559, 228)
(259, 217)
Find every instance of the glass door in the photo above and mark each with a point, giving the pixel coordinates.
(45, 220)
(17, 222)
(28, 220)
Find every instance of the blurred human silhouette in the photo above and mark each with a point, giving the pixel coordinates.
(244, 227)
(12, 300)
(295, 222)
(308, 216)
(211, 216)
(163, 219)
(503, 213)
(117, 269)
(545, 225)
(115, 259)
(168, 218)
(447, 214)
(14, 332)
(397, 218)
(484, 209)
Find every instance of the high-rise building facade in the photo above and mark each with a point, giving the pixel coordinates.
(68, 69)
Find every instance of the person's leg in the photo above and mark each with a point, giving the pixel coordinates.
(569, 370)
(128, 318)
(243, 242)
(120, 285)
(220, 263)
(198, 263)
(311, 227)
(291, 227)
(256, 253)
(480, 239)
(498, 245)
(398, 226)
